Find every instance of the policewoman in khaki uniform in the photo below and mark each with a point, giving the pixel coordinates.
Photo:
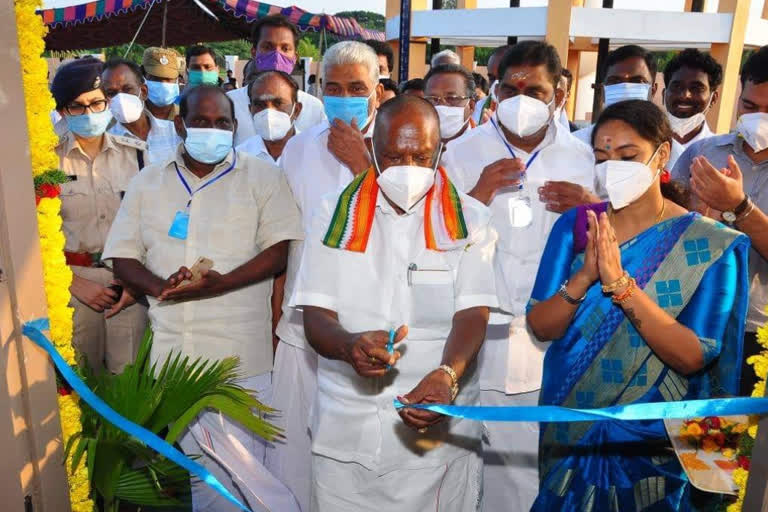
(108, 323)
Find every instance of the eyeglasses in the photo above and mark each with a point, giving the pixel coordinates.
(451, 101)
(95, 107)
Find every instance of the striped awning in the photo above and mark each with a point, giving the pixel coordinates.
(249, 10)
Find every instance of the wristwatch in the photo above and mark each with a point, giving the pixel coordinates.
(732, 216)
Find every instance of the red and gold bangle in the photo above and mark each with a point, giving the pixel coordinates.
(624, 296)
(619, 283)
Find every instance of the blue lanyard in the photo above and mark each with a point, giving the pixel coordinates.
(207, 183)
(509, 148)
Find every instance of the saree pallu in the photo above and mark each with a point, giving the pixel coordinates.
(696, 270)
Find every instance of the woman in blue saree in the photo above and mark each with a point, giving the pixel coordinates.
(643, 302)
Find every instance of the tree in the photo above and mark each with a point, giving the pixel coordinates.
(307, 49)
(366, 19)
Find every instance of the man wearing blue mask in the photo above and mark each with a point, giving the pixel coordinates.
(274, 39)
(318, 162)
(108, 324)
(237, 211)
(630, 74)
(202, 67)
(505, 163)
(397, 311)
(160, 67)
(124, 85)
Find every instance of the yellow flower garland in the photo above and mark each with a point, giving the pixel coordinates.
(56, 273)
(760, 364)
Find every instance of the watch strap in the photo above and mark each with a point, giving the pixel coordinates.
(742, 207)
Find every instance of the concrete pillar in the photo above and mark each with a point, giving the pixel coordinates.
(559, 26)
(574, 58)
(466, 53)
(729, 56)
(32, 476)
(418, 50)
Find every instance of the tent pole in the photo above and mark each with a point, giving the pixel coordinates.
(138, 30)
(165, 21)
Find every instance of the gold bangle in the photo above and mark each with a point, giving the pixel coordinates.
(454, 379)
(619, 283)
(626, 294)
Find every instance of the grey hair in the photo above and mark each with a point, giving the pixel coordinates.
(352, 52)
(445, 57)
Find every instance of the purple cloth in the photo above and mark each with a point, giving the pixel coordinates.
(581, 226)
(274, 60)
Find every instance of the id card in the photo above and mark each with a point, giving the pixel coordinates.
(179, 226)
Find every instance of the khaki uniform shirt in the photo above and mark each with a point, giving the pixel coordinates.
(91, 198)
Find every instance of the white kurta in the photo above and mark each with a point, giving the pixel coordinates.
(312, 172)
(354, 419)
(312, 113)
(511, 361)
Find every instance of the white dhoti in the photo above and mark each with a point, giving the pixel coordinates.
(510, 456)
(235, 456)
(350, 487)
(293, 391)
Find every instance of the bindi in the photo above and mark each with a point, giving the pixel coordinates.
(605, 142)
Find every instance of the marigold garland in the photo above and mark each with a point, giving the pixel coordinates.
(56, 274)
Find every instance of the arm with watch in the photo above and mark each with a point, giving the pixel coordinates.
(724, 191)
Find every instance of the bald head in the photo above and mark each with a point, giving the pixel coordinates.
(407, 132)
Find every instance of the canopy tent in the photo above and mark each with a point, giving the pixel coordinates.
(178, 22)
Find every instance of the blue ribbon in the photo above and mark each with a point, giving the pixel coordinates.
(33, 330)
(646, 411)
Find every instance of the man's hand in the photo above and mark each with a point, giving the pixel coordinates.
(561, 196)
(506, 172)
(92, 294)
(367, 352)
(435, 388)
(210, 283)
(126, 300)
(347, 144)
(721, 190)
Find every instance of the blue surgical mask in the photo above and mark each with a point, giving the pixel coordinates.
(162, 94)
(346, 108)
(199, 77)
(208, 145)
(89, 125)
(615, 93)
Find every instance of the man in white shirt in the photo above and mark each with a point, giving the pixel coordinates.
(389, 260)
(630, 74)
(274, 40)
(123, 83)
(485, 109)
(317, 162)
(691, 80)
(451, 89)
(236, 210)
(274, 108)
(502, 163)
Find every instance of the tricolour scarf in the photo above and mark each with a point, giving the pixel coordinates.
(350, 227)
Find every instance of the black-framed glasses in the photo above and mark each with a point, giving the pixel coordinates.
(451, 101)
(95, 107)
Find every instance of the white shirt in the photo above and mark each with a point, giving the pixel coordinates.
(312, 172)
(585, 134)
(162, 139)
(354, 419)
(256, 147)
(231, 221)
(513, 363)
(678, 149)
(312, 113)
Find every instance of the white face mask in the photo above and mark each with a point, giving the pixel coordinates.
(492, 90)
(523, 115)
(451, 120)
(625, 181)
(271, 124)
(406, 185)
(615, 93)
(682, 126)
(754, 129)
(126, 108)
